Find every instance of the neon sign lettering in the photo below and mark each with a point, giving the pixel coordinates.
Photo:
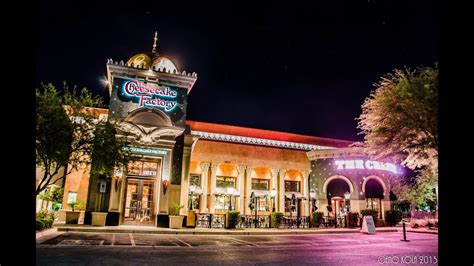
(148, 96)
(361, 164)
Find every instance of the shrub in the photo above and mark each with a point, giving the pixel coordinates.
(233, 218)
(44, 219)
(353, 219)
(174, 210)
(370, 212)
(393, 217)
(77, 205)
(277, 218)
(39, 225)
(317, 218)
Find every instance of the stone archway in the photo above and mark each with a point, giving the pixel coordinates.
(326, 183)
(382, 183)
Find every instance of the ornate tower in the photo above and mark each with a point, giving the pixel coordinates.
(148, 98)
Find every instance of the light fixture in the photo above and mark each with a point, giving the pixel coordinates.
(347, 195)
(312, 194)
(273, 193)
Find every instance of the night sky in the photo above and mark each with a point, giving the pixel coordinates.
(303, 68)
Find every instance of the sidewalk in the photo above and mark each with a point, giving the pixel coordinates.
(206, 231)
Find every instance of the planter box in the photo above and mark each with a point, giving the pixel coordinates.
(176, 222)
(72, 217)
(98, 218)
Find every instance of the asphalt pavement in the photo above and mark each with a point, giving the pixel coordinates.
(145, 249)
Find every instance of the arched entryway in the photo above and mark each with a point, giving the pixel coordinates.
(337, 189)
(374, 190)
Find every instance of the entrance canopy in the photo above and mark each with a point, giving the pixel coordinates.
(298, 195)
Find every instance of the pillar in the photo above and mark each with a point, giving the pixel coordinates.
(305, 192)
(204, 175)
(281, 190)
(241, 189)
(248, 188)
(212, 197)
(274, 185)
(185, 180)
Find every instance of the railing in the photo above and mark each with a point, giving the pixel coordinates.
(249, 221)
(209, 220)
(296, 222)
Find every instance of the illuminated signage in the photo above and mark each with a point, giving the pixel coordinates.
(152, 97)
(361, 164)
(147, 151)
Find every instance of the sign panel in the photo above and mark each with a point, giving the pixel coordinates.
(129, 94)
(368, 225)
(362, 164)
(145, 150)
(71, 197)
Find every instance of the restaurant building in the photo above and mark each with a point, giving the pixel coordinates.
(213, 168)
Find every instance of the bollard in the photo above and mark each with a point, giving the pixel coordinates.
(404, 233)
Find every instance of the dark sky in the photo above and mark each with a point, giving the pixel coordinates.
(304, 68)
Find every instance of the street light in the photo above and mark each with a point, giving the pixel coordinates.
(192, 189)
(273, 194)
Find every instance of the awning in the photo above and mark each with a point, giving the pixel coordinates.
(298, 195)
(197, 190)
(261, 193)
(223, 191)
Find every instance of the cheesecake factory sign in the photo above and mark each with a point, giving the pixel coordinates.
(150, 95)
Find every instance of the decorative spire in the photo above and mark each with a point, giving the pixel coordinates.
(154, 43)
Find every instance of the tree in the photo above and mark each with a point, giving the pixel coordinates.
(400, 122)
(64, 132)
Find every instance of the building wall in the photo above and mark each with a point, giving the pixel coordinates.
(245, 162)
(324, 170)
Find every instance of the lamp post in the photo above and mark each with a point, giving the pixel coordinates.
(192, 189)
(273, 194)
(230, 192)
(347, 196)
(312, 198)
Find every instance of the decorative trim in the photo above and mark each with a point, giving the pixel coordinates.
(258, 141)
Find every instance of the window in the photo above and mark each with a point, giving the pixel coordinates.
(193, 202)
(375, 204)
(143, 168)
(223, 202)
(262, 204)
(225, 182)
(260, 184)
(292, 186)
(195, 180)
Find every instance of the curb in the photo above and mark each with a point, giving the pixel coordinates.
(421, 232)
(164, 232)
(47, 232)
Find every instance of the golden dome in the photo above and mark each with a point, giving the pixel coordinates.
(140, 60)
(152, 60)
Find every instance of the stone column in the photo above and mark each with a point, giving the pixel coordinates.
(248, 188)
(204, 176)
(241, 189)
(212, 197)
(281, 190)
(185, 180)
(274, 186)
(307, 201)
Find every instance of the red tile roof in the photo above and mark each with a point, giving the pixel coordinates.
(265, 134)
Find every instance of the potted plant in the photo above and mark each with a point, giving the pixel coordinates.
(176, 220)
(72, 217)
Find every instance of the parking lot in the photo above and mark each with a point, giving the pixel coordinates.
(331, 249)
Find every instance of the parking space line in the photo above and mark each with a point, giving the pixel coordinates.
(242, 242)
(132, 240)
(181, 241)
(113, 240)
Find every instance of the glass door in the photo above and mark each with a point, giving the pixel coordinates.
(139, 202)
